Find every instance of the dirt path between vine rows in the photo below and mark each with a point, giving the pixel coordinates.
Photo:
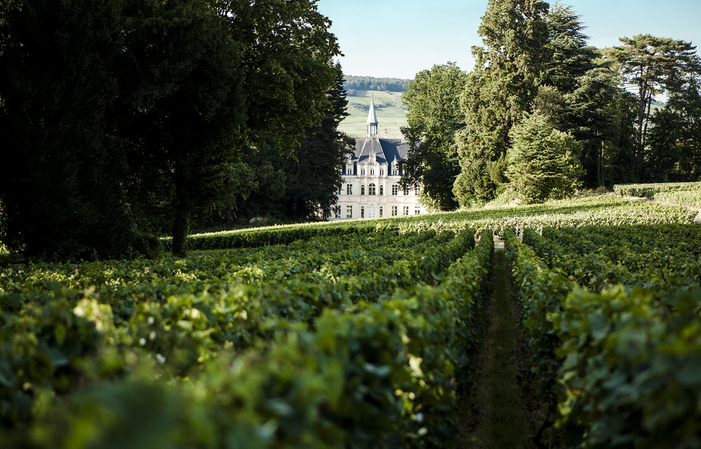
(496, 410)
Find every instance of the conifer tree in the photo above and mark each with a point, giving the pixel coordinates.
(499, 91)
(543, 162)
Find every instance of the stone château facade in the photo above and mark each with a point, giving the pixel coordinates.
(371, 177)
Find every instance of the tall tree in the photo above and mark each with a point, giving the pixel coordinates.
(314, 175)
(182, 104)
(499, 91)
(569, 56)
(591, 117)
(61, 162)
(652, 65)
(284, 47)
(433, 118)
(674, 145)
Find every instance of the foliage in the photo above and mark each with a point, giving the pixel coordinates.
(61, 161)
(618, 356)
(433, 117)
(284, 49)
(314, 176)
(674, 150)
(499, 91)
(370, 83)
(302, 359)
(543, 162)
(183, 105)
(653, 65)
(652, 189)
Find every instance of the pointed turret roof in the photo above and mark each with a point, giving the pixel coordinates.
(372, 118)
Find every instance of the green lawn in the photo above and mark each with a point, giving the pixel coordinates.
(388, 107)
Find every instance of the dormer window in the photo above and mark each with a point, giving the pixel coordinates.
(362, 172)
(372, 172)
(382, 172)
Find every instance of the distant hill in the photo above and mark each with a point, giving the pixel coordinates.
(370, 83)
(391, 115)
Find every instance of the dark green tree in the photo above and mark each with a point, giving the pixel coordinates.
(543, 162)
(314, 175)
(284, 48)
(653, 65)
(61, 159)
(674, 144)
(182, 105)
(499, 91)
(569, 55)
(433, 118)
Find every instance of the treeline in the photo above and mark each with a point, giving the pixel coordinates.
(370, 83)
(125, 119)
(547, 114)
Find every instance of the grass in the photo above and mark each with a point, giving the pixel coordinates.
(388, 106)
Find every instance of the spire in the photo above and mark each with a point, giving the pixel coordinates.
(372, 119)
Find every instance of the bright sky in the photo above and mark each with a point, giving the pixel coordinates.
(398, 38)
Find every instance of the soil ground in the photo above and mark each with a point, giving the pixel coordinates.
(498, 409)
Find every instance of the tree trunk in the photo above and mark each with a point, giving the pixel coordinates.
(181, 220)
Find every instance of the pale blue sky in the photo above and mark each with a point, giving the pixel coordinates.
(398, 38)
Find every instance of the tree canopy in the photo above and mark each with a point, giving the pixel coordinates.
(652, 65)
(498, 92)
(433, 117)
(124, 113)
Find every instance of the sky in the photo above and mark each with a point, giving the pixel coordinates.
(399, 38)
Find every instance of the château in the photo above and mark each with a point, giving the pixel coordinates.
(371, 178)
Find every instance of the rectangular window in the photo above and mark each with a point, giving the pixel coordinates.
(406, 210)
(394, 211)
(395, 189)
(349, 189)
(406, 190)
(349, 211)
(372, 172)
(338, 211)
(382, 172)
(362, 172)
(417, 210)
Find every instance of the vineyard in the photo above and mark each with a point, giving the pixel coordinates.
(359, 334)
(683, 193)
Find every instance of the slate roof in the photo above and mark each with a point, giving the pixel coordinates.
(386, 150)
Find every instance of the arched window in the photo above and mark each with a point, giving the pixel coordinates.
(372, 172)
(362, 190)
(371, 189)
(362, 172)
(382, 172)
(362, 211)
(382, 189)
